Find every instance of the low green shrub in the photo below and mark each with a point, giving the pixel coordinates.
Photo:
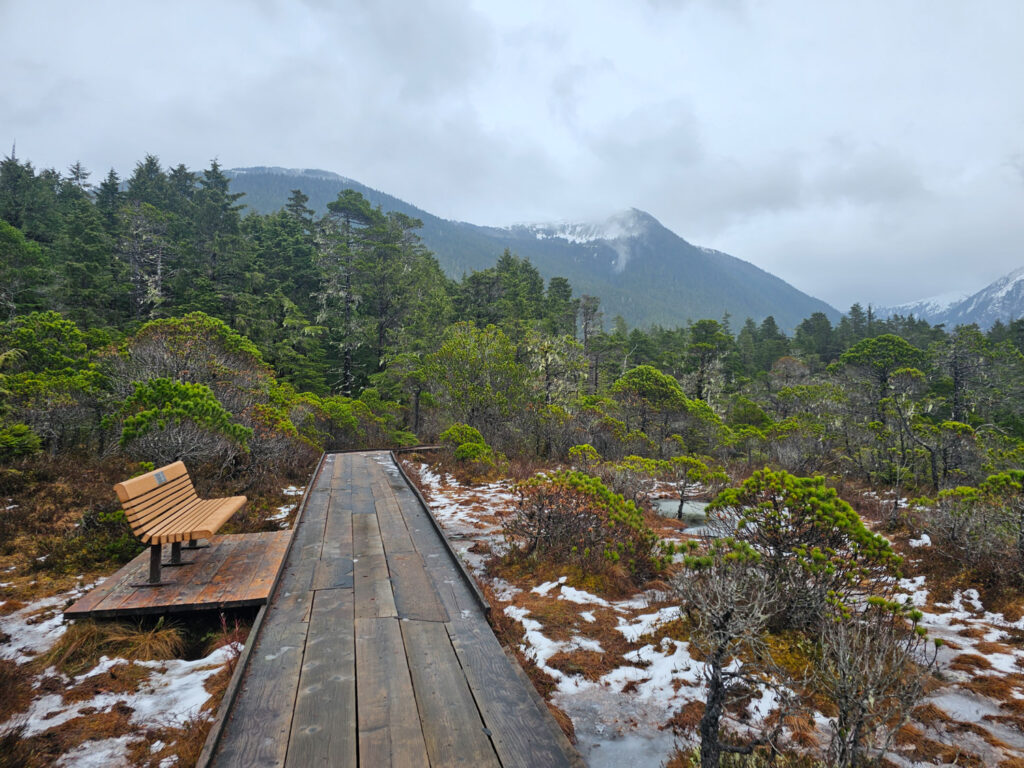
(570, 516)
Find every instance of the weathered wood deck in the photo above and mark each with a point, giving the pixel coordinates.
(233, 572)
(375, 651)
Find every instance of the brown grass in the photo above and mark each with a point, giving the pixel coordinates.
(122, 678)
(970, 662)
(1012, 762)
(928, 750)
(564, 722)
(184, 743)
(81, 646)
(993, 686)
(685, 721)
(16, 687)
(929, 714)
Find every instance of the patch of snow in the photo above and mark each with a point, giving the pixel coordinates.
(35, 628)
(503, 590)
(101, 753)
(588, 616)
(292, 490)
(924, 541)
(172, 694)
(580, 597)
(646, 623)
(547, 586)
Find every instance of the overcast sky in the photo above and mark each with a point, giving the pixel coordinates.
(862, 150)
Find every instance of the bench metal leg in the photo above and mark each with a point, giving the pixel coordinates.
(176, 556)
(155, 556)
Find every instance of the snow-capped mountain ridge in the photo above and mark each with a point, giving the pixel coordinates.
(1001, 300)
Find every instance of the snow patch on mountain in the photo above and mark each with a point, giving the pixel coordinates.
(615, 231)
(1001, 300)
(926, 308)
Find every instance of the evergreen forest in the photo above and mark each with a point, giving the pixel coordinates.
(152, 318)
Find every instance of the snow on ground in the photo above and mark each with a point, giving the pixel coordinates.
(618, 714)
(34, 628)
(172, 693)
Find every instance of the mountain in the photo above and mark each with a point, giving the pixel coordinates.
(1001, 300)
(639, 268)
(934, 306)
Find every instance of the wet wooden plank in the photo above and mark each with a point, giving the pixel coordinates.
(522, 734)
(452, 729)
(388, 722)
(335, 573)
(374, 598)
(323, 730)
(415, 595)
(366, 538)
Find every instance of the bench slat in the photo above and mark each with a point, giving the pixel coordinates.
(153, 506)
(193, 519)
(138, 486)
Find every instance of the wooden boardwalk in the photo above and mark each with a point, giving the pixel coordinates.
(233, 572)
(374, 650)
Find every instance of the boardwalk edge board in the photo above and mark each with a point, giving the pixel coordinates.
(466, 575)
(231, 692)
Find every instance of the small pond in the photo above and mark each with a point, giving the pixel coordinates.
(693, 514)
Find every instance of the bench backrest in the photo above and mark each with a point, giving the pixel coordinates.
(146, 499)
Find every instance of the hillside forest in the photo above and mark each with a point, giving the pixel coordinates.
(151, 318)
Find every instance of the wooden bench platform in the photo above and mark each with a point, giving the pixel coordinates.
(235, 571)
(375, 651)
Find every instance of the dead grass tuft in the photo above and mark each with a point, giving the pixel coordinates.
(564, 722)
(590, 664)
(929, 714)
(970, 662)
(993, 686)
(685, 721)
(923, 749)
(81, 646)
(122, 678)
(16, 685)
(182, 746)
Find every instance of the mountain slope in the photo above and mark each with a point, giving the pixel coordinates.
(1000, 300)
(639, 269)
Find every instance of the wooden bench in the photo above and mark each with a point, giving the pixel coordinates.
(163, 508)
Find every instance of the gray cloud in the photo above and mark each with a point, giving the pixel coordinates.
(865, 152)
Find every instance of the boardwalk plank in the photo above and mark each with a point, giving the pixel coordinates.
(415, 596)
(374, 598)
(521, 733)
(389, 725)
(452, 728)
(323, 731)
